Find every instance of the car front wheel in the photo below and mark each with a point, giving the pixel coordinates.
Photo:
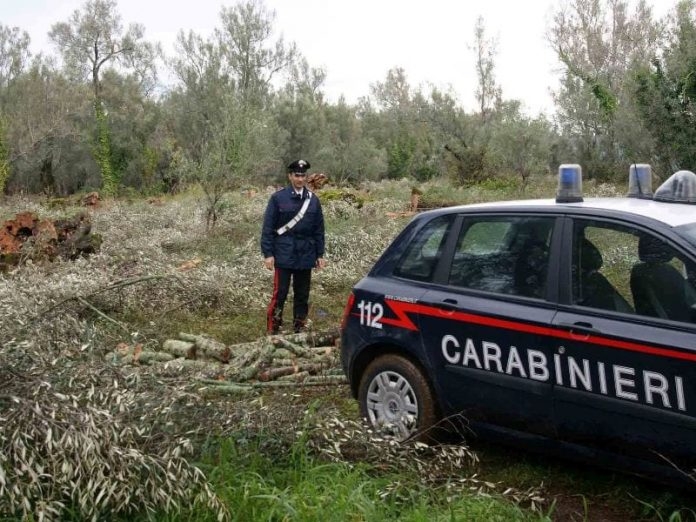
(395, 397)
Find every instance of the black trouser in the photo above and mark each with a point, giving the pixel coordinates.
(300, 297)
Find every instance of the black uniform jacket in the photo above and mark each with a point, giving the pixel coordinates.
(299, 247)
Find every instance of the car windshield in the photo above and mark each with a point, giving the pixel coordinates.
(688, 232)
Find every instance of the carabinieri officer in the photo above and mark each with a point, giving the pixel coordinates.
(292, 242)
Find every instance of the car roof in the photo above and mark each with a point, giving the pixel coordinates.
(671, 214)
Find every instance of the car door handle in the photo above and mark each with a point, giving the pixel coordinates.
(581, 327)
(449, 305)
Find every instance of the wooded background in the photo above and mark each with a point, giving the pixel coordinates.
(244, 104)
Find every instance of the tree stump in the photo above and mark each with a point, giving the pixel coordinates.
(28, 237)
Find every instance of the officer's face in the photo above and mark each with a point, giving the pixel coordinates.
(297, 179)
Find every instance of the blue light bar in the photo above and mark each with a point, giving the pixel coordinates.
(569, 183)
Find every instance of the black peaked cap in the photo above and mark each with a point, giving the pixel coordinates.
(298, 166)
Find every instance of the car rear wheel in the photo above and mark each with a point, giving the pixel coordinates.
(395, 397)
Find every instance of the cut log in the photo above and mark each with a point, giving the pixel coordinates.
(243, 371)
(295, 377)
(147, 358)
(177, 348)
(282, 353)
(326, 379)
(90, 200)
(277, 358)
(296, 349)
(323, 338)
(279, 363)
(225, 388)
(208, 347)
(273, 373)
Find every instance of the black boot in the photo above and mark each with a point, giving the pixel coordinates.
(299, 325)
(276, 322)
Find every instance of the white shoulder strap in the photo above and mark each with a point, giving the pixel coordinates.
(295, 220)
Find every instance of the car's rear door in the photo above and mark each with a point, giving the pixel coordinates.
(625, 381)
(483, 321)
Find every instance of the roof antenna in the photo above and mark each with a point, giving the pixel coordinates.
(640, 181)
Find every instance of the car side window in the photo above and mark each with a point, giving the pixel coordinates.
(424, 251)
(503, 254)
(602, 257)
(662, 281)
(627, 270)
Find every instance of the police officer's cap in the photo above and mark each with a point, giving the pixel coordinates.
(298, 166)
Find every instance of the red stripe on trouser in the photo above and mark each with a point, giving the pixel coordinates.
(274, 300)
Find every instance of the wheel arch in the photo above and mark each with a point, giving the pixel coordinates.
(370, 353)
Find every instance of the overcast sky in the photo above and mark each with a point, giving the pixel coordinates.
(358, 41)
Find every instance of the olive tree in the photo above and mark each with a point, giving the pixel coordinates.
(488, 92)
(666, 93)
(92, 40)
(251, 55)
(520, 144)
(14, 55)
(599, 43)
(221, 105)
(40, 119)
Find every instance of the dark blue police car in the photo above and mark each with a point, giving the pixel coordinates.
(565, 325)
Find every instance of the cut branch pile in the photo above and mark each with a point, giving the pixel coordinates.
(274, 361)
(28, 237)
(316, 180)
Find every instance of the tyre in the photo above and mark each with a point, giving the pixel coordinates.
(395, 397)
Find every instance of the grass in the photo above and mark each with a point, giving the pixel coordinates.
(261, 476)
(586, 492)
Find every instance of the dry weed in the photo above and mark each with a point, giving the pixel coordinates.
(79, 434)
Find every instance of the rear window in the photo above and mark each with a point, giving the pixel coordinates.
(424, 252)
(688, 232)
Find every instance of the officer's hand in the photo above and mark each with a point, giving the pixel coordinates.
(321, 263)
(269, 262)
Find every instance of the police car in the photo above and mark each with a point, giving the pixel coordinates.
(566, 324)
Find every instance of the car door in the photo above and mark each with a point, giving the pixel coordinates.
(383, 301)
(482, 323)
(625, 377)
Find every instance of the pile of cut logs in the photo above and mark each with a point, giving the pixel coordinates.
(309, 358)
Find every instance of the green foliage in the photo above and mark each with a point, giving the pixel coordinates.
(263, 476)
(400, 157)
(4, 155)
(151, 159)
(469, 165)
(596, 43)
(507, 186)
(438, 196)
(666, 95)
(250, 56)
(110, 178)
(519, 144)
(350, 196)
(606, 99)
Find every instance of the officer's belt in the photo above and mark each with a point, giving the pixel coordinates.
(295, 220)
